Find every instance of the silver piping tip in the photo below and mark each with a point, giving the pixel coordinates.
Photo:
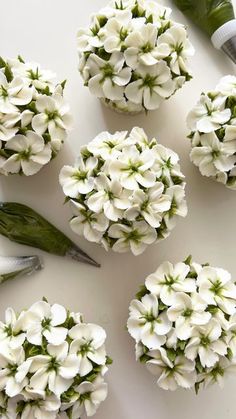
(229, 47)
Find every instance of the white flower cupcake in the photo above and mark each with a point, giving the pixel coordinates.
(126, 192)
(133, 56)
(213, 133)
(52, 364)
(34, 118)
(183, 321)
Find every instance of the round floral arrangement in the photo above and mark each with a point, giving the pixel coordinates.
(125, 191)
(213, 133)
(52, 364)
(134, 56)
(184, 323)
(34, 117)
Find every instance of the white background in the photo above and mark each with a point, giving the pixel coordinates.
(45, 31)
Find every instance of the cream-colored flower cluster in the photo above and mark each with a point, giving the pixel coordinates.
(134, 56)
(52, 364)
(213, 133)
(125, 191)
(184, 325)
(34, 117)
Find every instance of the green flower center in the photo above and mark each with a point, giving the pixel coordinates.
(217, 287)
(80, 175)
(33, 75)
(25, 154)
(52, 115)
(53, 365)
(108, 71)
(188, 312)
(85, 348)
(46, 323)
(149, 81)
(205, 341)
(147, 48)
(133, 236)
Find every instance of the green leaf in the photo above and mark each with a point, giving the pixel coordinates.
(8, 73)
(171, 354)
(142, 292)
(63, 83)
(21, 59)
(2, 63)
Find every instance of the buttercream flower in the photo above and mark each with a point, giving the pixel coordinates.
(177, 47)
(52, 116)
(152, 85)
(12, 94)
(34, 117)
(213, 137)
(51, 381)
(188, 312)
(168, 280)
(209, 114)
(180, 372)
(125, 191)
(33, 73)
(29, 154)
(133, 56)
(47, 323)
(88, 345)
(205, 342)
(35, 407)
(90, 397)
(214, 156)
(108, 77)
(79, 179)
(147, 324)
(183, 321)
(217, 288)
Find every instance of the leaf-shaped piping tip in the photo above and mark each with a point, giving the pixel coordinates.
(16, 266)
(23, 225)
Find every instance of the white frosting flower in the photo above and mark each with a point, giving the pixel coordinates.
(30, 154)
(108, 78)
(88, 345)
(95, 393)
(213, 137)
(217, 288)
(133, 56)
(78, 179)
(209, 114)
(34, 117)
(213, 155)
(183, 321)
(147, 324)
(13, 94)
(172, 374)
(55, 380)
(168, 280)
(151, 86)
(125, 191)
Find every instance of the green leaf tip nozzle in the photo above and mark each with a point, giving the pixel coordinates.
(216, 18)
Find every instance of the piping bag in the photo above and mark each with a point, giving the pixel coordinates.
(216, 18)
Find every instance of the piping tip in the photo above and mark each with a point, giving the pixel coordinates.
(229, 47)
(80, 256)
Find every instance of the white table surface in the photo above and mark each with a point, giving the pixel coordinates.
(45, 31)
